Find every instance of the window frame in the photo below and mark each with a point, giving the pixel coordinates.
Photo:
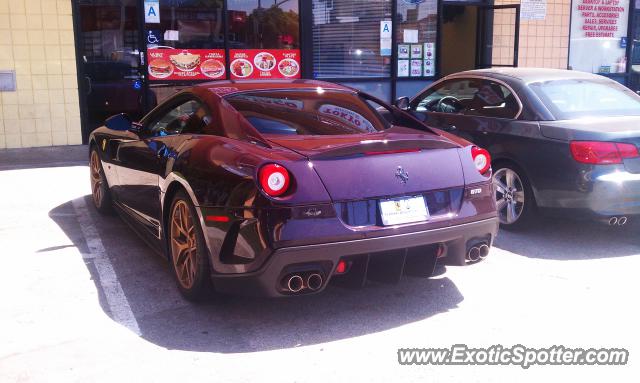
(414, 102)
(162, 110)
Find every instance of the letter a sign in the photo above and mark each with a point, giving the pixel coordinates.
(152, 12)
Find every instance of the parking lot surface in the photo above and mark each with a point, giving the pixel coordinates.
(83, 299)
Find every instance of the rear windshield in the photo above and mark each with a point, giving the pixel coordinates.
(307, 112)
(571, 99)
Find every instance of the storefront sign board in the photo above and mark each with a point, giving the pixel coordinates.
(185, 64)
(264, 63)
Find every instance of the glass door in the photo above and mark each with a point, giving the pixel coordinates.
(111, 61)
(498, 32)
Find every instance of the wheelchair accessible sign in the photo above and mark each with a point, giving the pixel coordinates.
(152, 12)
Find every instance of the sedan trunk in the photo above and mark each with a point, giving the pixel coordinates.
(612, 129)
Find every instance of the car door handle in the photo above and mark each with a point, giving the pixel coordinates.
(449, 128)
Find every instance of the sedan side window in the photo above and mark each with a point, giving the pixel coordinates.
(189, 117)
(493, 100)
(451, 96)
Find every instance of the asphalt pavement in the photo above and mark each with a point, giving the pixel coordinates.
(83, 300)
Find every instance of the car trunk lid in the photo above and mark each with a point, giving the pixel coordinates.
(377, 165)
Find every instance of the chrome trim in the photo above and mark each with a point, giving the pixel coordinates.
(460, 76)
(142, 217)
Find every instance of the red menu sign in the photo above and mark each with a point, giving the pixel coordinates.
(185, 64)
(264, 63)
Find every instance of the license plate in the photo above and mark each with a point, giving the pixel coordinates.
(396, 211)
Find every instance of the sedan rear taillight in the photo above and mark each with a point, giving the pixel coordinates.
(274, 179)
(481, 159)
(602, 153)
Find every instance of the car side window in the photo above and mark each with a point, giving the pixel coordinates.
(190, 117)
(493, 100)
(448, 97)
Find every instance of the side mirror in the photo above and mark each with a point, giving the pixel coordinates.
(402, 103)
(121, 122)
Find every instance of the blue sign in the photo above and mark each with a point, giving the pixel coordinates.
(414, 1)
(623, 42)
(154, 37)
(152, 11)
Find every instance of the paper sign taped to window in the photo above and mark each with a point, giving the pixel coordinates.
(410, 36)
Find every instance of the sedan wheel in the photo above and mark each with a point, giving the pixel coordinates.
(99, 187)
(188, 250)
(511, 198)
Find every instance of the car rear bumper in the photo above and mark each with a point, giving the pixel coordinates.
(370, 258)
(599, 194)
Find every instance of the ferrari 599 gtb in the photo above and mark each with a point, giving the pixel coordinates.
(280, 188)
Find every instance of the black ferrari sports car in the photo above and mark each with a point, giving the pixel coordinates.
(279, 188)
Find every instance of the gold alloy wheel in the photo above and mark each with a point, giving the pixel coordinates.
(96, 179)
(183, 244)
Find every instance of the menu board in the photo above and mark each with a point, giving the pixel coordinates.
(185, 64)
(598, 28)
(264, 63)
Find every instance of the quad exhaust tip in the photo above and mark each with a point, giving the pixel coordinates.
(474, 254)
(295, 283)
(477, 252)
(620, 221)
(484, 251)
(314, 281)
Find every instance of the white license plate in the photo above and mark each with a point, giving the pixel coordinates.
(397, 211)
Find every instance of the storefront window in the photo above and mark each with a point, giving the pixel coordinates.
(599, 36)
(416, 37)
(185, 40)
(264, 38)
(349, 38)
(190, 24)
(263, 24)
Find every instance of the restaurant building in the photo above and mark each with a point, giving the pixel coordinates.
(66, 65)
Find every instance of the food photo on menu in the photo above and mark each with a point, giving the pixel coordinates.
(288, 67)
(265, 61)
(212, 68)
(241, 68)
(185, 61)
(160, 68)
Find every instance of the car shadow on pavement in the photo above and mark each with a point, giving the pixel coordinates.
(240, 324)
(571, 239)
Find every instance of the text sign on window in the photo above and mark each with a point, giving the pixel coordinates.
(597, 27)
(151, 12)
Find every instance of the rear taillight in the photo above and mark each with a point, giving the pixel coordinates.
(274, 179)
(481, 159)
(602, 153)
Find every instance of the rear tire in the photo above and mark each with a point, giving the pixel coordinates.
(99, 186)
(514, 197)
(187, 249)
